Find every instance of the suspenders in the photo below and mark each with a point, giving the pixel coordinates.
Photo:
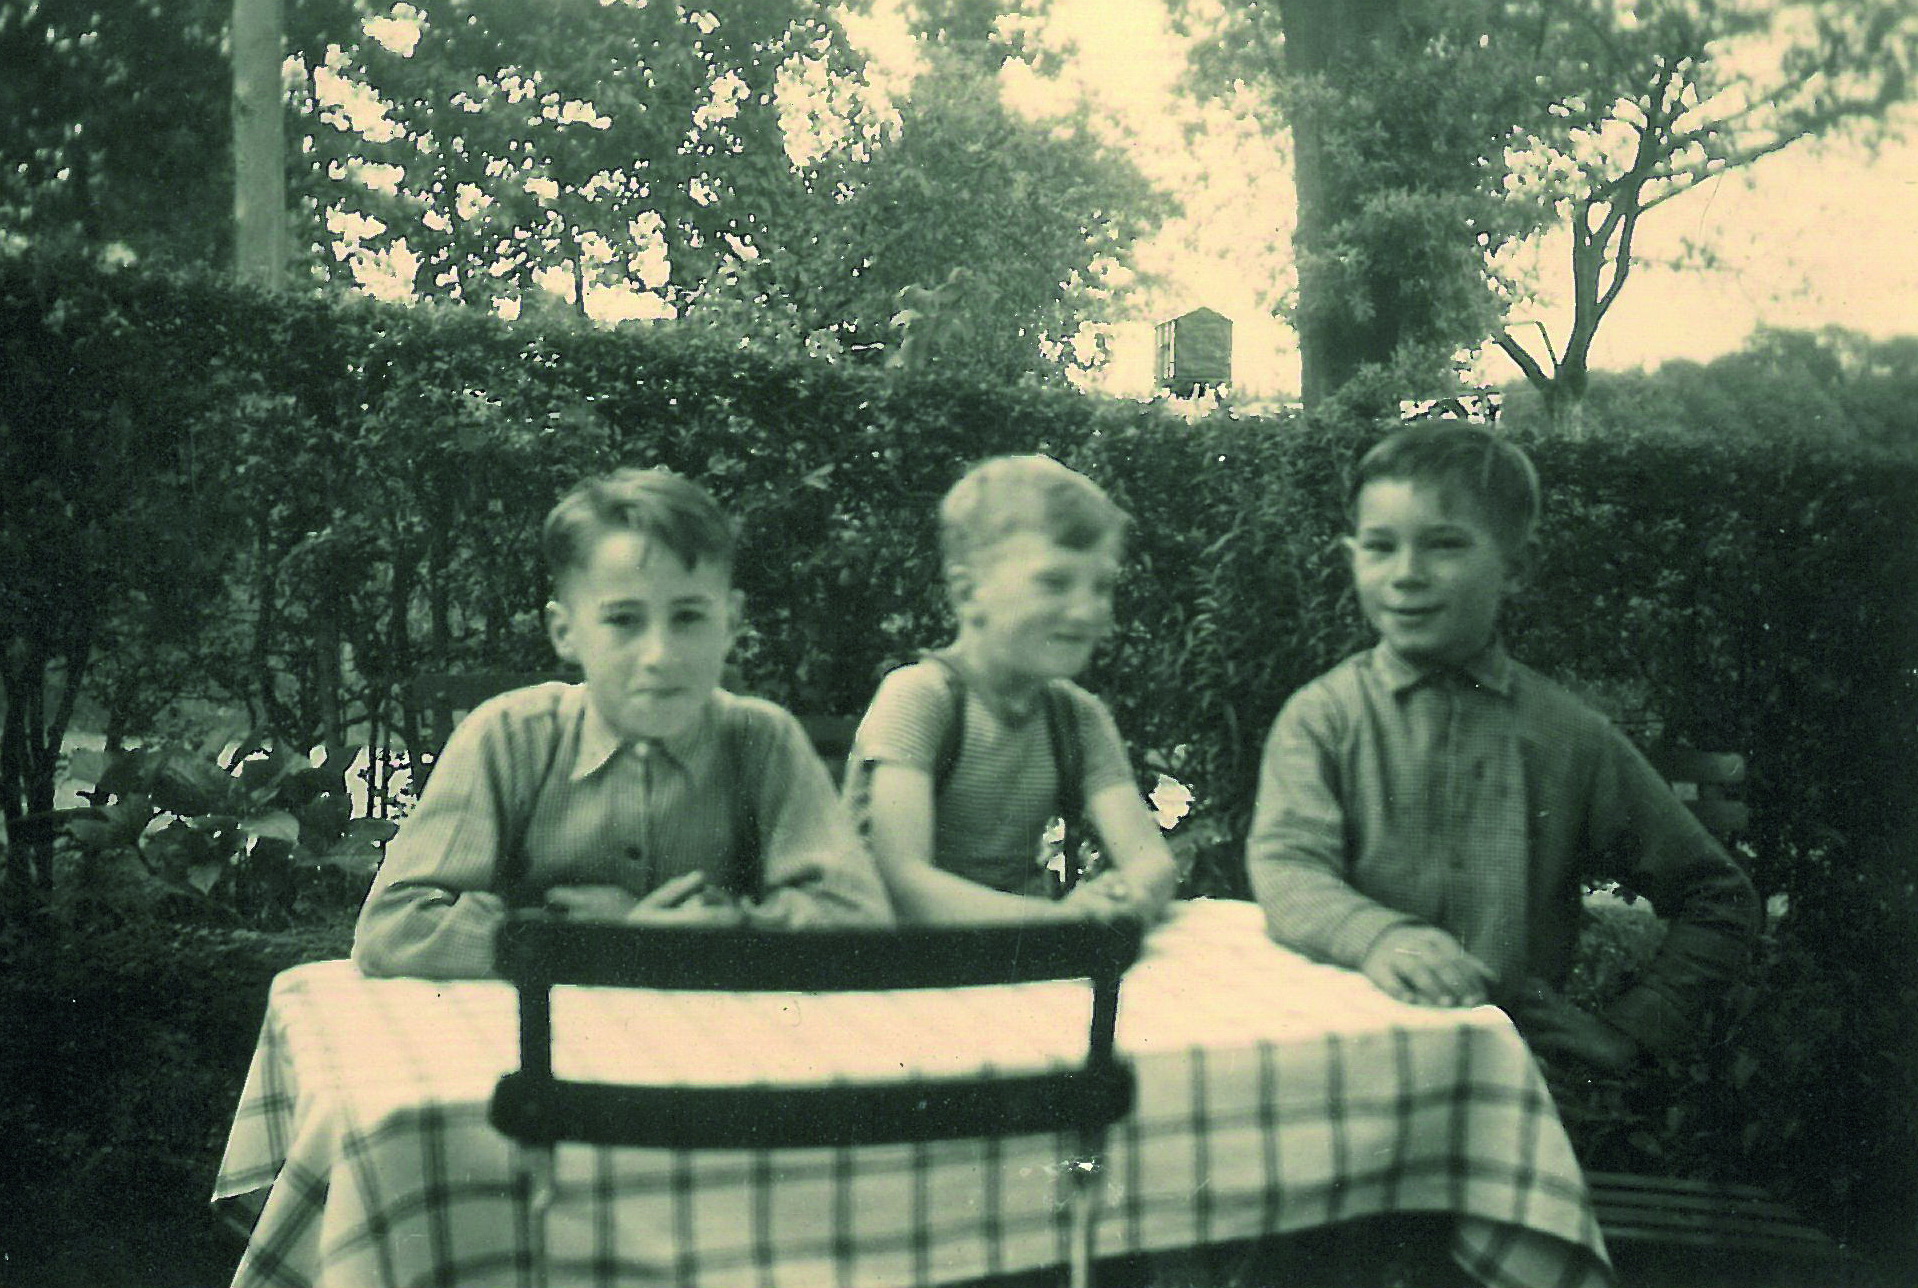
(743, 873)
(1068, 756)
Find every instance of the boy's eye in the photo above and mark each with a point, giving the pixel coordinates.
(1054, 582)
(1375, 545)
(689, 617)
(624, 621)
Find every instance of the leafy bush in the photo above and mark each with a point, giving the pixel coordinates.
(245, 838)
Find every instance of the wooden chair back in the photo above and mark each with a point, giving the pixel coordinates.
(537, 952)
(539, 1111)
(1711, 783)
(443, 699)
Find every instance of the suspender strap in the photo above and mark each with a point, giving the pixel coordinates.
(1068, 755)
(748, 872)
(953, 739)
(512, 868)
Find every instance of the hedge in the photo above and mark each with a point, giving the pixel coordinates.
(295, 504)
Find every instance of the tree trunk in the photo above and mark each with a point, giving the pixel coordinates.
(1328, 40)
(259, 144)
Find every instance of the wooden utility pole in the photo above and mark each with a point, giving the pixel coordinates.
(259, 144)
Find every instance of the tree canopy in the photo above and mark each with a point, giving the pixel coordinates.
(630, 144)
(1676, 92)
(115, 118)
(1432, 138)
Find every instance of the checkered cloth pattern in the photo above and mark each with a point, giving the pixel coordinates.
(1274, 1094)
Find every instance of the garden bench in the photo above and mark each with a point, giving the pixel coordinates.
(1684, 1225)
(442, 697)
(1671, 1224)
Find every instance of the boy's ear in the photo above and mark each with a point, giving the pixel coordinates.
(1519, 566)
(559, 629)
(960, 583)
(735, 612)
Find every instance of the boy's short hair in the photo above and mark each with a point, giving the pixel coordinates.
(1009, 494)
(1490, 471)
(658, 504)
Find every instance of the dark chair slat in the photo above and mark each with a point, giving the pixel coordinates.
(534, 948)
(812, 1117)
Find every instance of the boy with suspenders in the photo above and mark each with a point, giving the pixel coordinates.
(965, 756)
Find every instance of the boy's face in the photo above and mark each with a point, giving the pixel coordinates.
(1037, 609)
(651, 634)
(1431, 576)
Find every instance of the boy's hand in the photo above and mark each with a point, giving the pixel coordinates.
(1106, 898)
(590, 902)
(1562, 1035)
(686, 901)
(1426, 966)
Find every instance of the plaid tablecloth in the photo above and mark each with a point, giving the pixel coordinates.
(1274, 1094)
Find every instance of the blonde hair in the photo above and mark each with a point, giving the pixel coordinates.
(1009, 494)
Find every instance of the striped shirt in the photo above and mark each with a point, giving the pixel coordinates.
(539, 769)
(991, 814)
(1479, 800)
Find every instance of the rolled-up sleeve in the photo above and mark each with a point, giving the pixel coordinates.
(1648, 841)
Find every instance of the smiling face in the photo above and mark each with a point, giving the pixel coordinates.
(650, 633)
(1431, 575)
(1032, 610)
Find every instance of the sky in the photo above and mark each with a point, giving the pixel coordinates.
(1808, 238)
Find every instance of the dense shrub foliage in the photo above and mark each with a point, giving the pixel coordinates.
(293, 506)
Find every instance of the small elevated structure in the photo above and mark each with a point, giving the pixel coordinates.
(1194, 353)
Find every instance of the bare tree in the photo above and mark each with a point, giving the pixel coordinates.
(1683, 91)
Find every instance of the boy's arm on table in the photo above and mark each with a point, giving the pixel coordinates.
(899, 740)
(1648, 841)
(431, 911)
(900, 816)
(1297, 864)
(814, 871)
(1139, 877)
(1295, 851)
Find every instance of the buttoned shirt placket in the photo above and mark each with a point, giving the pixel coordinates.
(641, 851)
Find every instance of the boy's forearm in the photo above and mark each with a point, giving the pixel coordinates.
(1315, 912)
(821, 893)
(1693, 967)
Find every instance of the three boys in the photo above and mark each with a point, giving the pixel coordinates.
(1428, 811)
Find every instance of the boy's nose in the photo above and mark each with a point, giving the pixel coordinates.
(1091, 606)
(654, 648)
(1409, 566)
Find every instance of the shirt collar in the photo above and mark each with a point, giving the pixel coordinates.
(599, 742)
(1490, 668)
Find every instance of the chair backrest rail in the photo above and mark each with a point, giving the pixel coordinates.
(538, 949)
